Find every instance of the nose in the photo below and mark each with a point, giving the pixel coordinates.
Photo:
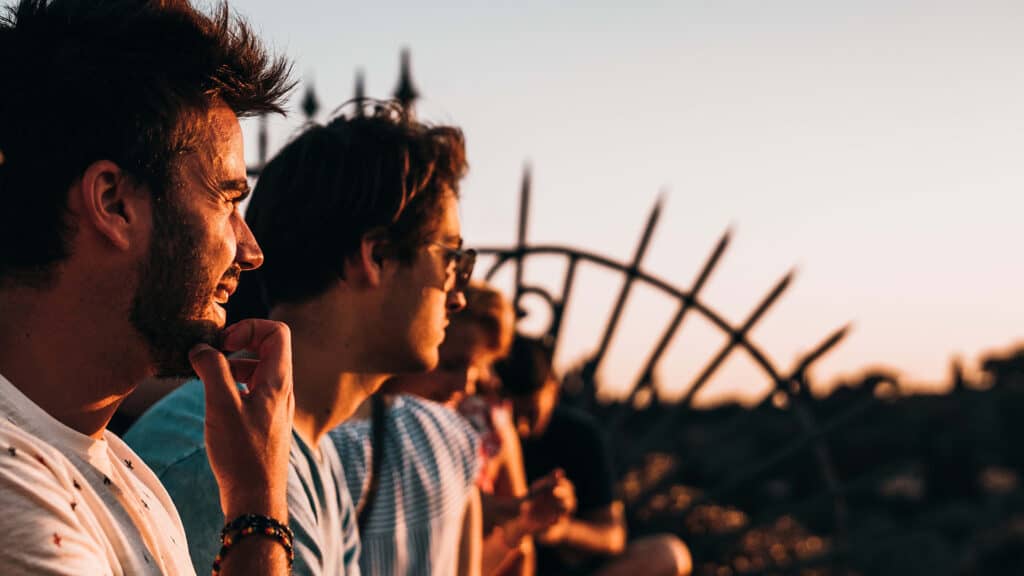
(248, 254)
(456, 301)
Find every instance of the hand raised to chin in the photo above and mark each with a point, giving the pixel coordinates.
(248, 431)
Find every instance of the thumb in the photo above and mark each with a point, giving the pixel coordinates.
(213, 369)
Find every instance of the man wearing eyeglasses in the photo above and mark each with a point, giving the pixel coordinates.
(359, 224)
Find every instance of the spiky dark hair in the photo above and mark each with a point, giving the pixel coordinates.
(118, 80)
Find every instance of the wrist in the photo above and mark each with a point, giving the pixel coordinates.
(273, 506)
(513, 533)
(250, 526)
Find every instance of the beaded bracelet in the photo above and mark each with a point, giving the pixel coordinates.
(247, 525)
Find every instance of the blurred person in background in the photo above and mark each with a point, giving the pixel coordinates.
(593, 540)
(359, 223)
(512, 513)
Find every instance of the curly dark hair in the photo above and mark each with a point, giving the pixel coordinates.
(118, 80)
(369, 171)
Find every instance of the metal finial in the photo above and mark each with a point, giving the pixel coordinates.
(360, 92)
(310, 104)
(261, 144)
(406, 93)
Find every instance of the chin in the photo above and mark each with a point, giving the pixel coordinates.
(453, 400)
(216, 315)
(170, 347)
(427, 360)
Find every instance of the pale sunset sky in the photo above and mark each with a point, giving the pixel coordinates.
(877, 146)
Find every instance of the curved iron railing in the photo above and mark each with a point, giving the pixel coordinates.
(792, 385)
(789, 388)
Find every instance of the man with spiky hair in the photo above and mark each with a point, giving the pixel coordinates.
(120, 241)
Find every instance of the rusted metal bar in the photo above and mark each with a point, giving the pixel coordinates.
(262, 142)
(631, 274)
(726, 431)
(800, 399)
(684, 306)
(359, 93)
(735, 337)
(558, 312)
(261, 149)
(310, 103)
(820, 350)
(406, 91)
(524, 215)
(756, 354)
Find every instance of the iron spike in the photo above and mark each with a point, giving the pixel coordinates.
(824, 347)
(647, 376)
(406, 92)
(360, 92)
(310, 104)
(524, 215)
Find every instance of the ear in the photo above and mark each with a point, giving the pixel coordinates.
(109, 200)
(366, 266)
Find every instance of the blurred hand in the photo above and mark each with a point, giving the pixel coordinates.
(248, 432)
(550, 500)
(554, 534)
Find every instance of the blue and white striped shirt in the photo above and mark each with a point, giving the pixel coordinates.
(430, 463)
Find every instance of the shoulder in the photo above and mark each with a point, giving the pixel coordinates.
(351, 440)
(443, 430)
(172, 430)
(30, 461)
(575, 422)
(42, 509)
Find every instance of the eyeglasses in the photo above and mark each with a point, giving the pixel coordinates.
(464, 260)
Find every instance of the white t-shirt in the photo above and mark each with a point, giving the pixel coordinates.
(70, 504)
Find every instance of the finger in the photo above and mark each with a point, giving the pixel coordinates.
(242, 368)
(271, 341)
(256, 335)
(542, 484)
(212, 368)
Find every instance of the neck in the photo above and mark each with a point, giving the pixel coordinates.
(55, 347)
(328, 366)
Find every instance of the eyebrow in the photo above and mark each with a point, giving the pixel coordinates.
(456, 240)
(239, 186)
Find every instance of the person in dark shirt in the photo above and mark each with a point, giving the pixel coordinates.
(594, 539)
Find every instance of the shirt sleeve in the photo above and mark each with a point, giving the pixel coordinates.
(42, 534)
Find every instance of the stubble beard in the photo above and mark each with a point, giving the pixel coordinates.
(173, 292)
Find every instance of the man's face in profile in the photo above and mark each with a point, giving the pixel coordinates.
(466, 357)
(422, 294)
(199, 246)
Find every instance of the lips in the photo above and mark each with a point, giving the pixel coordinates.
(223, 292)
